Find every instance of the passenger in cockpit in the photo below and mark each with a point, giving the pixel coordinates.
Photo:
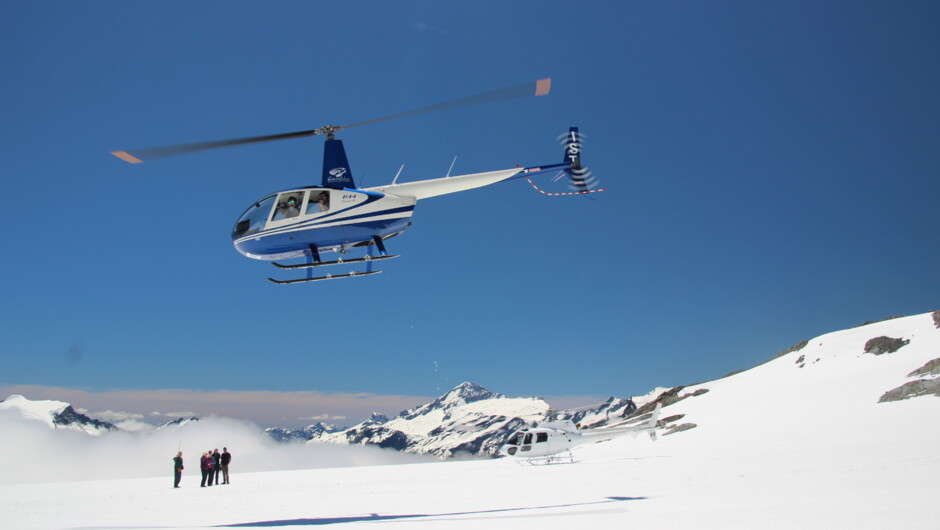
(324, 201)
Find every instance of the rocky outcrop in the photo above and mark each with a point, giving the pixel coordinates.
(921, 387)
(931, 368)
(679, 428)
(69, 416)
(673, 395)
(880, 345)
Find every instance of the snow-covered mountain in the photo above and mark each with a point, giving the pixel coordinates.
(839, 431)
(281, 434)
(179, 423)
(875, 363)
(471, 420)
(468, 420)
(56, 414)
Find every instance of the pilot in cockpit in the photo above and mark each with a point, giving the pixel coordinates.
(289, 209)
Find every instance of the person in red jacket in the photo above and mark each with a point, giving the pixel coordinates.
(210, 466)
(204, 467)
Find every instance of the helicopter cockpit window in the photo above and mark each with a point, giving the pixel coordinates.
(288, 205)
(516, 439)
(319, 202)
(253, 219)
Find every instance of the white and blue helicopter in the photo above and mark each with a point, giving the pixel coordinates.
(336, 216)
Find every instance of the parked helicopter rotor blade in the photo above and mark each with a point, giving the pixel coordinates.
(136, 156)
(538, 88)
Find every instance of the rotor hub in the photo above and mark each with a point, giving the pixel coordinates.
(328, 130)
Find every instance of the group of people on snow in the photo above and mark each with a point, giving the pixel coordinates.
(211, 464)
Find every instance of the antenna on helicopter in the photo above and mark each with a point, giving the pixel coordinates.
(451, 168)
(397, 174)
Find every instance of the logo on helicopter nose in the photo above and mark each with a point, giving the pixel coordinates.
(337, 174)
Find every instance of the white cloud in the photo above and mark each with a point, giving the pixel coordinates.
(184, 414)
(68, 455)
(112, 416)
(322, 417)
(265, 407)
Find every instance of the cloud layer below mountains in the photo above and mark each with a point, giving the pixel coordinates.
(141, 409)
(263, 407)
(34, 452)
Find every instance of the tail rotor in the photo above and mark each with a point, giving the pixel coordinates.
(580, 178)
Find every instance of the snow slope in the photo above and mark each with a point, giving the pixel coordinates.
(55, 414)
(799, 442)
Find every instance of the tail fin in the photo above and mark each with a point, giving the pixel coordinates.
(573, 148)
(651, 423)
(580, 177)
(336, 172)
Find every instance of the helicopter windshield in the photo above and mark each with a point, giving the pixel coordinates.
(520, 438)
(253, 219)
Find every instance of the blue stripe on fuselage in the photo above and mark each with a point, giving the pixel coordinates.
(298, 237)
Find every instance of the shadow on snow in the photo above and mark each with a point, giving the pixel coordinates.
(377, 517)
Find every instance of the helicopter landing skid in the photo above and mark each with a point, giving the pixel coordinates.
(561, 458)
(337, 262)
(352, 274)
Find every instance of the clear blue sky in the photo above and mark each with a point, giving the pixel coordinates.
(773, 173)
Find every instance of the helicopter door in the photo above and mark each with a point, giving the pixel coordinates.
(527, 442)
(287, 207)
(319, 202)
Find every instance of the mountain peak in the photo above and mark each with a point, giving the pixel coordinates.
(469, 392)
(458, 396)
(55, 414)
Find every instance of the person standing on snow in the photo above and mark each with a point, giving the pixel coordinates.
(177, 469)
(226, 459)
(216, 465)
(204, 466)
(210, 464)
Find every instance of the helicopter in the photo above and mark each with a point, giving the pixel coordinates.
(551, 441)
(335, 216)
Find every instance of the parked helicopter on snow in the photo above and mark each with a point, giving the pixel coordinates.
(552, 441)
(335, 216)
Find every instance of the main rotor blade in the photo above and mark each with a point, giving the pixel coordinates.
(538, 88)
(136, 156)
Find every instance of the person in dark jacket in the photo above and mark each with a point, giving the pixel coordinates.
(216, 465)
(226, 459)
(177, 469)
(204, 467)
